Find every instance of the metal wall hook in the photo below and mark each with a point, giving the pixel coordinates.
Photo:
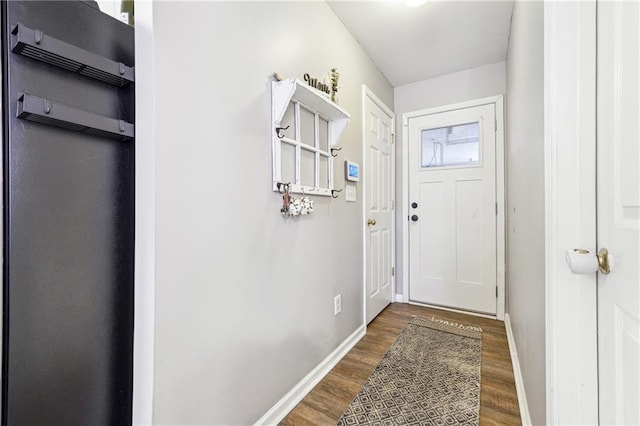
(283, 187)
(335, 149)
(334, 191)
(280, 129)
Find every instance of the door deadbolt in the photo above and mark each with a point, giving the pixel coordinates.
(414, 205)
(414, 218)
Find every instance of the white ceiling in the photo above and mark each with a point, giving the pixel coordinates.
(411, 44)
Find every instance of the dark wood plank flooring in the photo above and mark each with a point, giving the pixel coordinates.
(327, 401)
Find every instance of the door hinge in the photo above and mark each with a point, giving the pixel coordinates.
(393, 138)
(496, 209)
(496, 292)
(393, 204)
(393, 271)
(495, 125)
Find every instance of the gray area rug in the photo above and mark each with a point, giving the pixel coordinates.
(429, 376)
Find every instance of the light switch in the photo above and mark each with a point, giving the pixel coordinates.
(350, 193)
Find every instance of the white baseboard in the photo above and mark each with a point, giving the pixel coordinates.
(398, 298)
(517, 374)
(299, 391)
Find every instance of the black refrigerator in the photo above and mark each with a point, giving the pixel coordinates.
(68, 214)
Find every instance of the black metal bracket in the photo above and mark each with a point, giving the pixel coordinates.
(335, 149)
(41, 110)
(280, 129)
(42, 47)
(334, 192)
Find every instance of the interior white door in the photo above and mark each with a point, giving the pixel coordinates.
(378, 129)
(452, 209)
(618, 212)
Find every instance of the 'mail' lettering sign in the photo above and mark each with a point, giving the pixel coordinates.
(313, 82)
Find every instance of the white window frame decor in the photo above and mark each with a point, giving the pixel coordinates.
(301, 96)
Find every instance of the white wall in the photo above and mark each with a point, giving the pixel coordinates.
(475, 83)
(244, 298)
(525, 199)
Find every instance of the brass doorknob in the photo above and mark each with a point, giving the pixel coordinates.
(582, 261)
(605, 260)
(371, 222)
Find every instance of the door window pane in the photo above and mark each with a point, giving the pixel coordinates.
(307, 127)
(304, 159)
(451, 146)
(324, 134)
(307, 168)
(323, 172)
(288, 162)
(288, 123)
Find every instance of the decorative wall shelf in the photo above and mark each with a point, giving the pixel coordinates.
(306, 125)
(286, 90)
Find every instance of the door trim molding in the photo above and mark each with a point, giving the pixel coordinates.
(570, 210)
(500, 215)
(367, 93)
(144, 281)
(498, 102)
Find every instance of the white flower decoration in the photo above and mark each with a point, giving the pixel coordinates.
(306, 205)
(300, 206)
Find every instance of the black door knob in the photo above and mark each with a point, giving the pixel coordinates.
(414, 205)
(414, 218)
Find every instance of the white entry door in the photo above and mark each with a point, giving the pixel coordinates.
(452, 209)
(378, 199)
(618, 212)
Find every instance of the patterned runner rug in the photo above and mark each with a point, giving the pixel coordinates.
(429, 376)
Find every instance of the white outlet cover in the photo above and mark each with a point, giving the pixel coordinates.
(350, 193)
(337, 304)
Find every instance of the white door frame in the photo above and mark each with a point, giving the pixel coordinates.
(498, 101)
(367, 93)
(570, 210)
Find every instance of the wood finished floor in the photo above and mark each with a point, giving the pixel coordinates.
(327, 401)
